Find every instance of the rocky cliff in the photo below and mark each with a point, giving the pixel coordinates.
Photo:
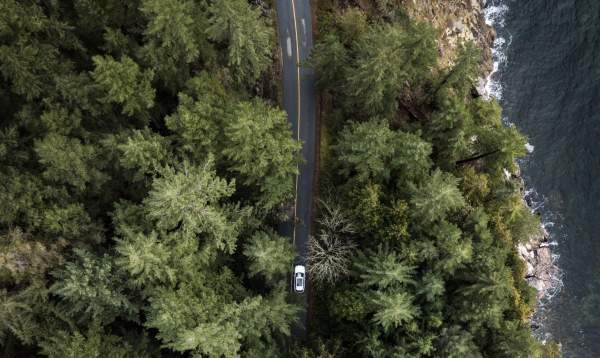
(459, 21)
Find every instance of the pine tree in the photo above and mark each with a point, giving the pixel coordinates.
(124, 83)
(455, 342)
(248, 34)
(91, 288)
(388, 57)
(146, 259)
(382, 269)
(145, 153)
(204, 106)
(260, 148)
(329, 57)
(366, 150)
(174, 38)
(67, 160)
(393, 309)
(94, 343)
(29, 55)
(434, 199)
(189, 197)
(371, 150)
(270, 255)
(462, 76)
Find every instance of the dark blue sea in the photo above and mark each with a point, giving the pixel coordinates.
(548, 81)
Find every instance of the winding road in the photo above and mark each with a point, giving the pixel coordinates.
(299, 96)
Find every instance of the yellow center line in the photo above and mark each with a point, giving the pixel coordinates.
(298, 114)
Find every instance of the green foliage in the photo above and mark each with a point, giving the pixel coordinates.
(146, 259)
(349, 304)
(132, 167)
(260, 148)
(92, 288)
(68, 161)
(393, 309)
(205, 322)
(94, 343)
(433, 200)
(366, 149)
(525, 224)
(248, 34)
(18, 312)
(139, 176)
(174, 38)
(462, 76)
(388, 57)
(29, 55)
(270, 255)
(383, 269)
(144, 152)
(70, 221)
(328, 57)
(124, 84)
(371, 150)
(190, 197)
(418, 164)
(202, 108)
(455, 342)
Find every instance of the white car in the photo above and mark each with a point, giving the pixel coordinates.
(299, 278)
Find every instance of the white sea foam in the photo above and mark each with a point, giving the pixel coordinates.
(529, 148)
(495, 13)
(493, 86)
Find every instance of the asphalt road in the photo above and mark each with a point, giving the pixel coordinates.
(299, 96)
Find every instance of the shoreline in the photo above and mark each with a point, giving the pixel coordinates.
(475, 20)
(541, 272)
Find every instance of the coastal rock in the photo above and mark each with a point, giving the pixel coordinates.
(541, 272)
(461, 20)
(481, 88)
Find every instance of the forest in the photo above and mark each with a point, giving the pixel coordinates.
(419, 214)
(145, 164)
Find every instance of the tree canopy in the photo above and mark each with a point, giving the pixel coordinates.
(416, 161)
(140, 166)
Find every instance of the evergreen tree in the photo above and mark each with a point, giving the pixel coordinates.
(204, 106)
(248, 35)
(433, 200)
(382, 269)
(146, 259)
(393, 309)
(189, 198)
(69, 161)
(366, 150)
(174, 38)
(92, 289)
(94, 343)
(261, 150)
(125, 84)
(270, 255)
(388, 57)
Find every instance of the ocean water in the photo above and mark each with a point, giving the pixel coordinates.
(548, 81)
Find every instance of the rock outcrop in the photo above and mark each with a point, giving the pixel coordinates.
(541, 273)
(460, 21)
